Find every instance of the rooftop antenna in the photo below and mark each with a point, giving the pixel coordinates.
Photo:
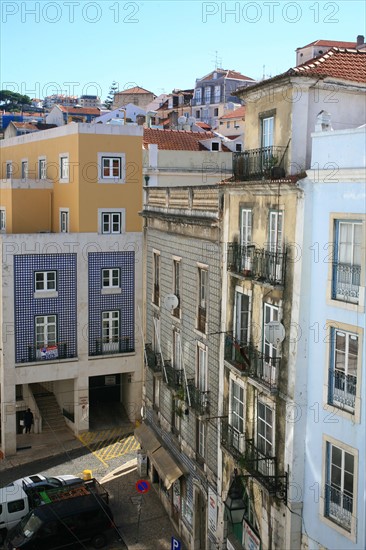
(217, 61)
(264, 72)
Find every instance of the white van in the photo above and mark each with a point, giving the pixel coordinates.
(14, 505)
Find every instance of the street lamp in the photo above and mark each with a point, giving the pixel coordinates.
(234, 503)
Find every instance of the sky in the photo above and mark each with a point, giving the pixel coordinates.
(80, 47)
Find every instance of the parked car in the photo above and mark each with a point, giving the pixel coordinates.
(68, 523)
(38, 481)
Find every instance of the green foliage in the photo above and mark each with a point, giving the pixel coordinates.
(12, 101)
(110, 98)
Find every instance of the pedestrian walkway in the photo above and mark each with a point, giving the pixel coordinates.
(154, 530)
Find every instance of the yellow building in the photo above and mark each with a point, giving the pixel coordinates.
(71, 243)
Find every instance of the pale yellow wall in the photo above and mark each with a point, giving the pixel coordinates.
(31, 211)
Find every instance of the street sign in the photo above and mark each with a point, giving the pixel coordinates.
(142, 486)
(176, 545)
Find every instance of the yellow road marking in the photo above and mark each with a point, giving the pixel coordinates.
(108, 444)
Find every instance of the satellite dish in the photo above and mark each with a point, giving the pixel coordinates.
(274, 332)
(182, 120)
(171, 301)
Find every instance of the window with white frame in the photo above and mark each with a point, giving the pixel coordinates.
(347, 261)
(64, 167)
(275, 231)
(207, 94)
(202, 298)
(198, 96)
(24, 169)
(236, 415)
(156, 278)
(241, 316)
(2, 219)
(46, 331)
(156, 333)
(42, 169)
(265, 437)
(267, 131)
(111, 278)
(9, 170)
(238, 148)
(339, 486)
(64, 221)
(202, 374)
(176, 350)
(111, 222)
(271, 353)
(110, 331)
(201, 438)
(112, 167)
(246, 239)
(217, 94)
(342, 382)
(176, 285)
(45, 281)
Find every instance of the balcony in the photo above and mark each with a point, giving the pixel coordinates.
(251, 362)
(346, 282)
(262, 163)
(264, 469)
(257, 263)
(114, 345)
(201, 319)
(198, 398)
(338, 506)
(232, 440)
(342, 389)
(174, 377)
(153, 358)
(53, 352)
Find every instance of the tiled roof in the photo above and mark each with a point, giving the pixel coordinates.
(176, 140)
(135, 90)
(33, 127)
(227, 73)
(203, 125)
(237, 113)
(337, 63)
(80, 110)
(330, 43)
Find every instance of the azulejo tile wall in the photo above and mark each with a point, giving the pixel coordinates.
(27, 307)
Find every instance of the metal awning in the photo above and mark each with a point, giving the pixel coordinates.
(147, 439)
(168, 469)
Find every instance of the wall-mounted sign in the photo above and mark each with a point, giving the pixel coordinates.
(110, 380)
(251, 541)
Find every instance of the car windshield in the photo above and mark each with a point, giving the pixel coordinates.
(29, 525)
(54, 481)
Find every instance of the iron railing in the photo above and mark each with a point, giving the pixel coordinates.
(338, 506)
(199, 400)
(342, 388)
(174, 377)
(257, 263)
(153, 358)
(51, 352)
(251, 362)
(346, 282)
(254, 164)
(232, 440)
(114, 344)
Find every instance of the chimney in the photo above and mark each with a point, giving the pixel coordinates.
(360, 42)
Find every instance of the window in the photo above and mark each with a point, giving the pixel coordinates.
(112, 167)
(45, 280)
(24, 169)
(9, 170)
(2, 219)
(202, 382)
(238, 148)
(201, 438)
(339, 486)
(228, 124)
(241, 312)
(156, 391)
(64, 221)
(111, 278)
(269, 367)
(207, 94)
(176, 286)
(198, 96)
(111, 222)
(198, 114)
(110, 331)
(217, 94)
(216, 112)
(275, 231)
(347, 261)
(202, 299)
(46, 336)
(215, 146)
(267, 131)
(156, 278)
(64, 167)
(16, 506)
(265, 437)
(236, 415)
(176, 350)
(343, 369)
(42, 175)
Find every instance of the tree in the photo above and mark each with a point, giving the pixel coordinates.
(12, 101)
(110, 98)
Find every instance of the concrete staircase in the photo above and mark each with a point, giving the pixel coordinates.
(52, 418)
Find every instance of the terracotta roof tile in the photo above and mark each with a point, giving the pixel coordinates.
(176, 140)
(80, 110)
(337, 63)
(203, 125)
(135, 90)
(330, 43)
(237, 113)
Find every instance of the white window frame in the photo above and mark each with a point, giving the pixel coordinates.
(111, 324)
(267, 131)
(202, 368)
(111, 274)
(198, 96)
(9, 170)
(269, 446)
(237, 414)
(176, 359)
(238, 311)
(156, 268)
(177, 283)
(109, 212)
(42, 168)
(24, 169)
(271, 312)
(2, 219)
(201, 438)
(275, 230)
(355, 258)
(45, 282)
(202, 293)
(344, 378)
(207, 94)
(64, 168)
(217, 94)
(111, 156)
(64, 220)
(49, 332)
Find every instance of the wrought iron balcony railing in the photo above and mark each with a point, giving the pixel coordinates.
(232, 440)
(338, 506)
(199, 400)
(264, 469)
(254, 164)
(153, 358)
(174, 377)
(342, 389)
(346, 282)
(50, 352)
(257, 263)
(251, 362)
(114, 344)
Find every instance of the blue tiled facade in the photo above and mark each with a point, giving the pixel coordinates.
(27, 307)
(122, 302)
